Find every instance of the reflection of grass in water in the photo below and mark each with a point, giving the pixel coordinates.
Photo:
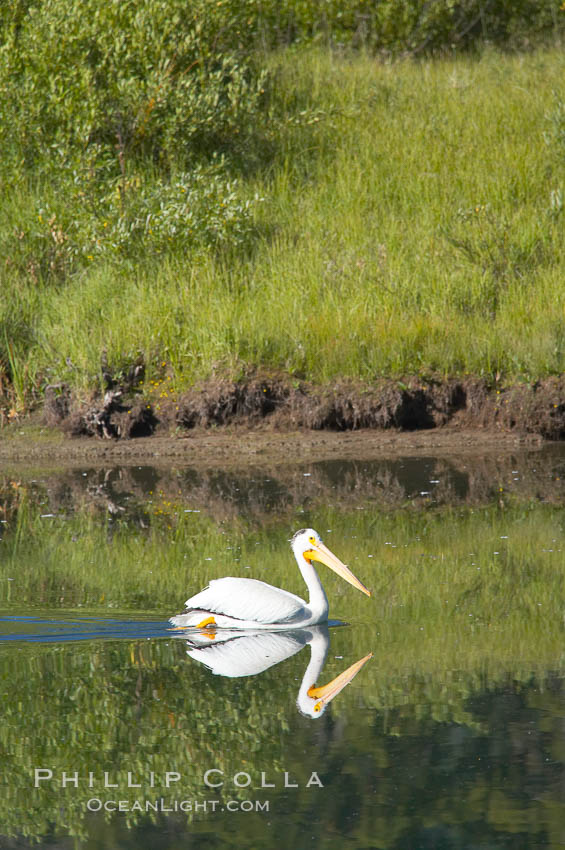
(142, 707)
(450, 587)
(122, 707)
(446, 626)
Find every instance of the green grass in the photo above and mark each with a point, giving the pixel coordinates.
(410, 210)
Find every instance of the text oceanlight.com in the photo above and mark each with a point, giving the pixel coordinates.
(95, 804)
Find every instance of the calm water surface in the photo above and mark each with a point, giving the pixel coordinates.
(447, 728)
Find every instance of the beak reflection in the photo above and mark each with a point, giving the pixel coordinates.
(324, 694)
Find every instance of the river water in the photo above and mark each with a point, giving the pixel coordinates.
(447, 725)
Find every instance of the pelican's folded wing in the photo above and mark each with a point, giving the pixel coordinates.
(248, 599)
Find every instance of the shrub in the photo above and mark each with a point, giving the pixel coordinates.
(105, 83)
(399, 26)
(122, 118)
(100, 106)
(196, 211)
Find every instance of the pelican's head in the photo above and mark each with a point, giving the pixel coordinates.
(307, 544)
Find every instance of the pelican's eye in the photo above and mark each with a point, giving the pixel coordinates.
(318, 706)
(312, 539)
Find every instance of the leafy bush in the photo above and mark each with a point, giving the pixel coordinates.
(103, 83)
(100, 105)
(408, 25)
(195, 211)
(96, 87)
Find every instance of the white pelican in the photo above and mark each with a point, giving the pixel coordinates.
(235, 655)
(244, 603)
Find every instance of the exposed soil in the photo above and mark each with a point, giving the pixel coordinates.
(283, 404)
(274, 415)
(240, 447)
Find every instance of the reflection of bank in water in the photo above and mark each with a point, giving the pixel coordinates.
(236, 654)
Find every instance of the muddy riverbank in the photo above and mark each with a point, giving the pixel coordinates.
(238, 447)
(278, 419)
(130, 408)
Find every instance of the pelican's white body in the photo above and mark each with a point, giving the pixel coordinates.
(244, 603)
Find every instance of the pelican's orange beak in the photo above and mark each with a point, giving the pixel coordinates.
(320, 552)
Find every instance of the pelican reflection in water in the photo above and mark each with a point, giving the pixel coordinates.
(244, 603)
(235, 655)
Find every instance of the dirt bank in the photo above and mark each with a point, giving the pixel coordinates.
(241, 447)
(224, 421)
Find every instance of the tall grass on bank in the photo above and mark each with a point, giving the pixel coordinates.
(412, 211)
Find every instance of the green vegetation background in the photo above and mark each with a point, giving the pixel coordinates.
(223, 186)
